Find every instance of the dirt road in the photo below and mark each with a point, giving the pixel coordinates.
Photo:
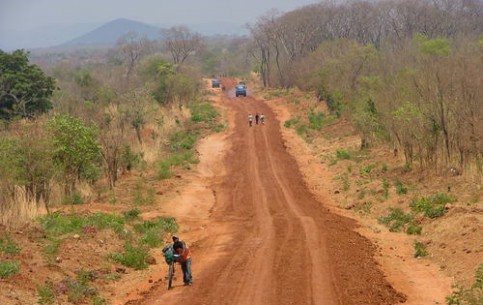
(267, 240)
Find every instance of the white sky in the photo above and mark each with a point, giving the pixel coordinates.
(22, 15)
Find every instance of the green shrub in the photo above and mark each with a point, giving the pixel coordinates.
(414, 229)
(384, 168)
(132, 256)
(420, 249)
(204, 112)
(8, 246)
(56, 224)
(343, 154)
(9, 268)
(396, 220)
(301, 130)
(400, 188)
(46, 293)
(366, 170)
(164, 171)
(152, 230)
(183, 140)
(292, 122)
(385, 186)
(433, 206)
(131, 214)
(51, 249)
(318, 120)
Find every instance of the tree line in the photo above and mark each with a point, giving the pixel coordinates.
(406, 72)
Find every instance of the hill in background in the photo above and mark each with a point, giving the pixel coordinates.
(109, 33)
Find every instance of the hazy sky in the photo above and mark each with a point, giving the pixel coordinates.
(27, 14)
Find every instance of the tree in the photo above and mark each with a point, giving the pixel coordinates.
(75, 149)
(181, 43)
(24, 89)
(132, 48)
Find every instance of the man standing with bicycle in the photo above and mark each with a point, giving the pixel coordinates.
(180, 248)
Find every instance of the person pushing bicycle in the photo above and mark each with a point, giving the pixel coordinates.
(184, 259)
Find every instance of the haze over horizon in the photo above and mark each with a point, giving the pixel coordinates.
(34, 24)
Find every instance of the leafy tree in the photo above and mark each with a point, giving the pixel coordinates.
(26, 163)
(24, 89)
(75, 149)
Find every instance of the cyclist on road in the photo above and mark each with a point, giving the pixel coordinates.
(180, 248)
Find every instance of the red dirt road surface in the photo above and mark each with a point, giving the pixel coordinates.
(267, 239)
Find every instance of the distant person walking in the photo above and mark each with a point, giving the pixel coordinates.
(250, 119)
(262, 118)
(257, 117)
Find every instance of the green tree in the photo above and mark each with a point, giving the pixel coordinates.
(75, 149)
(24, 89)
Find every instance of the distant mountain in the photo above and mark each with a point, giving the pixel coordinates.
(109, 33)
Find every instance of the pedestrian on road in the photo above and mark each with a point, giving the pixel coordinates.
(250, 119)
(180, 248)
(257, 117)
(262, 118)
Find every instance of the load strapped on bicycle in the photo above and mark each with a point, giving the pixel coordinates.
(171, 258)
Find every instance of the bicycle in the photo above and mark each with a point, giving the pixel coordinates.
(171, 258)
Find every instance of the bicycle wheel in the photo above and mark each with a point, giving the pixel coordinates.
(170, 275)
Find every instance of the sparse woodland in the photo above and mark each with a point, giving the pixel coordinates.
(74, 122)
(405, 72)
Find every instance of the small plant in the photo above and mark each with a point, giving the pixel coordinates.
(152, 230)
(349, 169)
(8, 246)
(183, 140)
(385, 186)
(407, 167)
(131, 214)
(396, 220)
(384, 168)
(97, 300)
(433, 206)
(8, 268)
(203, 112)
(400, 188)
(164, 171)
(420, 249)
(364, 208)
(46, 293)
(51, 249)
(362, 194)
(345, 182)
(57, 224)
(343, 154)
(366, 170)
(133, 256)
(291, 122)
(414, 229)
